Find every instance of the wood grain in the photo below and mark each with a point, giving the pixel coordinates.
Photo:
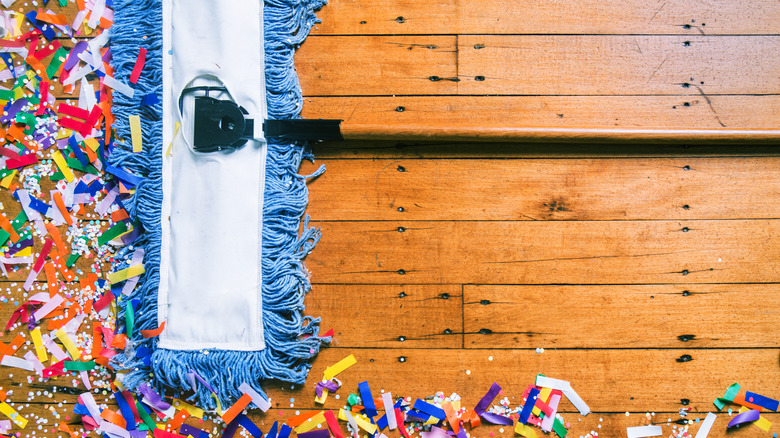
(608, 380)
(617, 65)
(534, 252)
(469, 117)
(562, 189)
(390, 316)
(657, 316)
(386, 149)
(370, 17)
(378, 65)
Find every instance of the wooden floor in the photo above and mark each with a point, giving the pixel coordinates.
(648, 273)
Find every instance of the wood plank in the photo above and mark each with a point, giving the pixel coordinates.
(577, 189)
(44, 409)
(607, 65)
(382, 316)
(378, 65)
(386, 149)
(662, 316)
(554, 252)
(371, 17)
(471, 117)
(608, 380)
(613, 381)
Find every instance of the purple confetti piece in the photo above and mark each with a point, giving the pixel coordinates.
(205, 383)
(153, 398)
(487, 399)
(73, 57)
(496, 419)
(745, 417)
(320, 433)
(12, 110)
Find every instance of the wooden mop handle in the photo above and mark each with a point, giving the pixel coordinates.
(514, 133)
(324, 129)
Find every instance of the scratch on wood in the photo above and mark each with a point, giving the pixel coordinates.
(656, 13)
(594, 257)
(658, 68)
(709, 102)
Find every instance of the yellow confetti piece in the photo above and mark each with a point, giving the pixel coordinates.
(14, 416)
(135, 133)
(761, 423)
(219, 405)
(194, 411)
(6, 182)
(124, 274)
(60, 160)
(321, 400)
(170, 146)
(27, 252)
(333, 370)
(92, 144)
(364, 424)
(524, 430)
(74, 351)
(544, 395)
(40, 350)
(311, 423)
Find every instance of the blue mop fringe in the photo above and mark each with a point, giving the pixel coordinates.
(291, 338)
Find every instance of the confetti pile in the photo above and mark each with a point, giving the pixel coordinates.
(67, 248)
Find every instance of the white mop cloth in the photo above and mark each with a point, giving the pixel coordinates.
(210, 267)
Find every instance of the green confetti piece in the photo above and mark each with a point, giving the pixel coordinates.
(352, 399)
(71, 365)
(6, 94)
(56, 62)
(559, 428)
(113, 232)
(26, 118)
(19, 220)
(145, 416)
(63, 2)
(4, 236)
(731, 392)
(129, 319)
(73, 163)
(72, 259)
(57, 176)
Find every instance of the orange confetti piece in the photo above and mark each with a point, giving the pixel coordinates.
(236, 409)
(13, 347)
(59, 20)
(51, 278)
(61, 206)
(119, 215)
(55, 235)
(64, 428)
(178, 420)
(152, 333)
(452, 416)
(120, 341)
(5, 224)
(299, 419)
(60, 265)
(113, 417)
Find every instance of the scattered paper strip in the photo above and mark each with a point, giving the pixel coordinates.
(644, 431)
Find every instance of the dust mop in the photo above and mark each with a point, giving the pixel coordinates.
(220, 203)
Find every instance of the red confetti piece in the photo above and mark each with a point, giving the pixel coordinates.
(139, 65)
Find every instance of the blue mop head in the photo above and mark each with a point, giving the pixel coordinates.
(291, 338)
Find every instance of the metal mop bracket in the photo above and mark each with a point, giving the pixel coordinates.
(221, 124)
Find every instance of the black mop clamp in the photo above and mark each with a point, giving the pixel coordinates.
(223, 124)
